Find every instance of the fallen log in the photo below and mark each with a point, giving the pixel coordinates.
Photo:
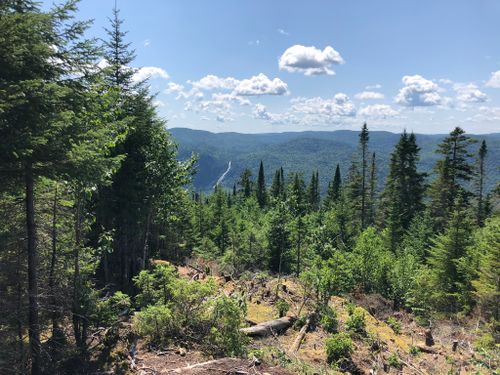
(298, 340)
(223, 362)
(269, 327)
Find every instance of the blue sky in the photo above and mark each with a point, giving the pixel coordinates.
(272, 66)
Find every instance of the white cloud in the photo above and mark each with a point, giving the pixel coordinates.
(213, 82)
(146, 42)
(418, 92)
(469, 93)
(283, 32)
(230, 98)
(174, 88)
(492, 113)
(494, 80)
(260, 112)
(261, 85)
(378, 111)
(338, 106)
(148, 72)
(254, 42)
(309, 60)
(369, 95)
(376, 86)
(158, 103)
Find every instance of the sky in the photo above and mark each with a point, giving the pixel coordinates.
(273, 66)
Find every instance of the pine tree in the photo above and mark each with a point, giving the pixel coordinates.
(403, 194)
(278, 238)
(245, 182)
(261, 187)
(313, 192)
(297, 195)
(452, 171)
(276, 186)
(481, 209)
(450, 248)
(363, 143)
(373, 183)
(334, 189)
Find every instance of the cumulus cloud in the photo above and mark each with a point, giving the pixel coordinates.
(260, 112)
(283, 32)
(338, 106)
(418, 92)
(494, 80)
(261, 85)
(369, 95)
(378, 111)
(469, 93)
(376, 86)
(174, 88)
(230, 98)
(148, 72)
(213, 82)
(309, 60)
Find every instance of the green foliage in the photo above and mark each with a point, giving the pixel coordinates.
(394, 324)
(356, 322)
(329, 320)
(414, 350)
(338, 347)
(156, 323)
(109, 309)
(282, 307)
(155, 285)
(394, 361)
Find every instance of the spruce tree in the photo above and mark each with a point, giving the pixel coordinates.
(334, 188)
(403, 194)
(278, 238)
(371, 195)
(453, 170)
(481, 159)
(261, 187)
(313, 192)
(363, 144)
(245, 182)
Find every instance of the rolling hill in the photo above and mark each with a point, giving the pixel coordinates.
(303, 152)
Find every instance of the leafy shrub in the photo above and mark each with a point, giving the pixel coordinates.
(225, 338)
(356, 322)
(414, 350)
(109, 309)
(155, 285)
(394, 361)
(299, 323)
(485, 342)
(282, 306)
(338, 347)
(394, 324)
(156, 323)
(329, 320)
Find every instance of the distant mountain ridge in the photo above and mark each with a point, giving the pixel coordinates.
(304, 152)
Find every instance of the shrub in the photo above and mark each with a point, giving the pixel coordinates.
(414, 350)
(155, 285)
(338, 347)
(329, 320)
(156, 323)
(109, 309)
(394, 361)
(282, 306)
(224, 337)
(356, 322)
(485, 342)
(394, 324)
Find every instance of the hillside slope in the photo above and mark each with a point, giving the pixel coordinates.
(303, 152)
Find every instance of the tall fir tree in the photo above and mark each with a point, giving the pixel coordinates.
(452, 171)
(245, 182)
(404, 189)
(363, 144)
(261, 187)
(372, 191)
(334, 188)
(481, 209)
(313, 192)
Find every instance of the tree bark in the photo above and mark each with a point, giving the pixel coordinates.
(34, 328)
(56, 330)
(269, 327)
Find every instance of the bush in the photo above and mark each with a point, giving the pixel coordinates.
(155, 285)
(109, 309)
(414, 350)
(338, 347)
(156, 323)
(329, 320)
(394, 324)
(282, 306)
(356, 322)
(394, 361)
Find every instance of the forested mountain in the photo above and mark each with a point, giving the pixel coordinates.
(303, 151)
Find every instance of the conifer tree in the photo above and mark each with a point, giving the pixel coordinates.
(481, 209)
(245, 182)
(261, 187)
(334, 188)
(450, 248)
(313, 192)
(373, 183)
(363, 144)
(278, 238)
(452, 171)
(403, 194)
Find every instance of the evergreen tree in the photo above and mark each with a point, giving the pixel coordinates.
(278, 238)
(313, 192)
(296, 197)
(261, 187)
(452, 171)
(334, 188)
(403, 194)
(373, 183)
(245, 182)
(448, 282)
(363, 144)
(481, 210)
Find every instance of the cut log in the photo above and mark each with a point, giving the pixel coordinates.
(298, 340)
(269, 327)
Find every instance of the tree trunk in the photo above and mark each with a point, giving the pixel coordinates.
(34, 329)
(269, 327)
(55, 316)
(77, 326)
(146, 241)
